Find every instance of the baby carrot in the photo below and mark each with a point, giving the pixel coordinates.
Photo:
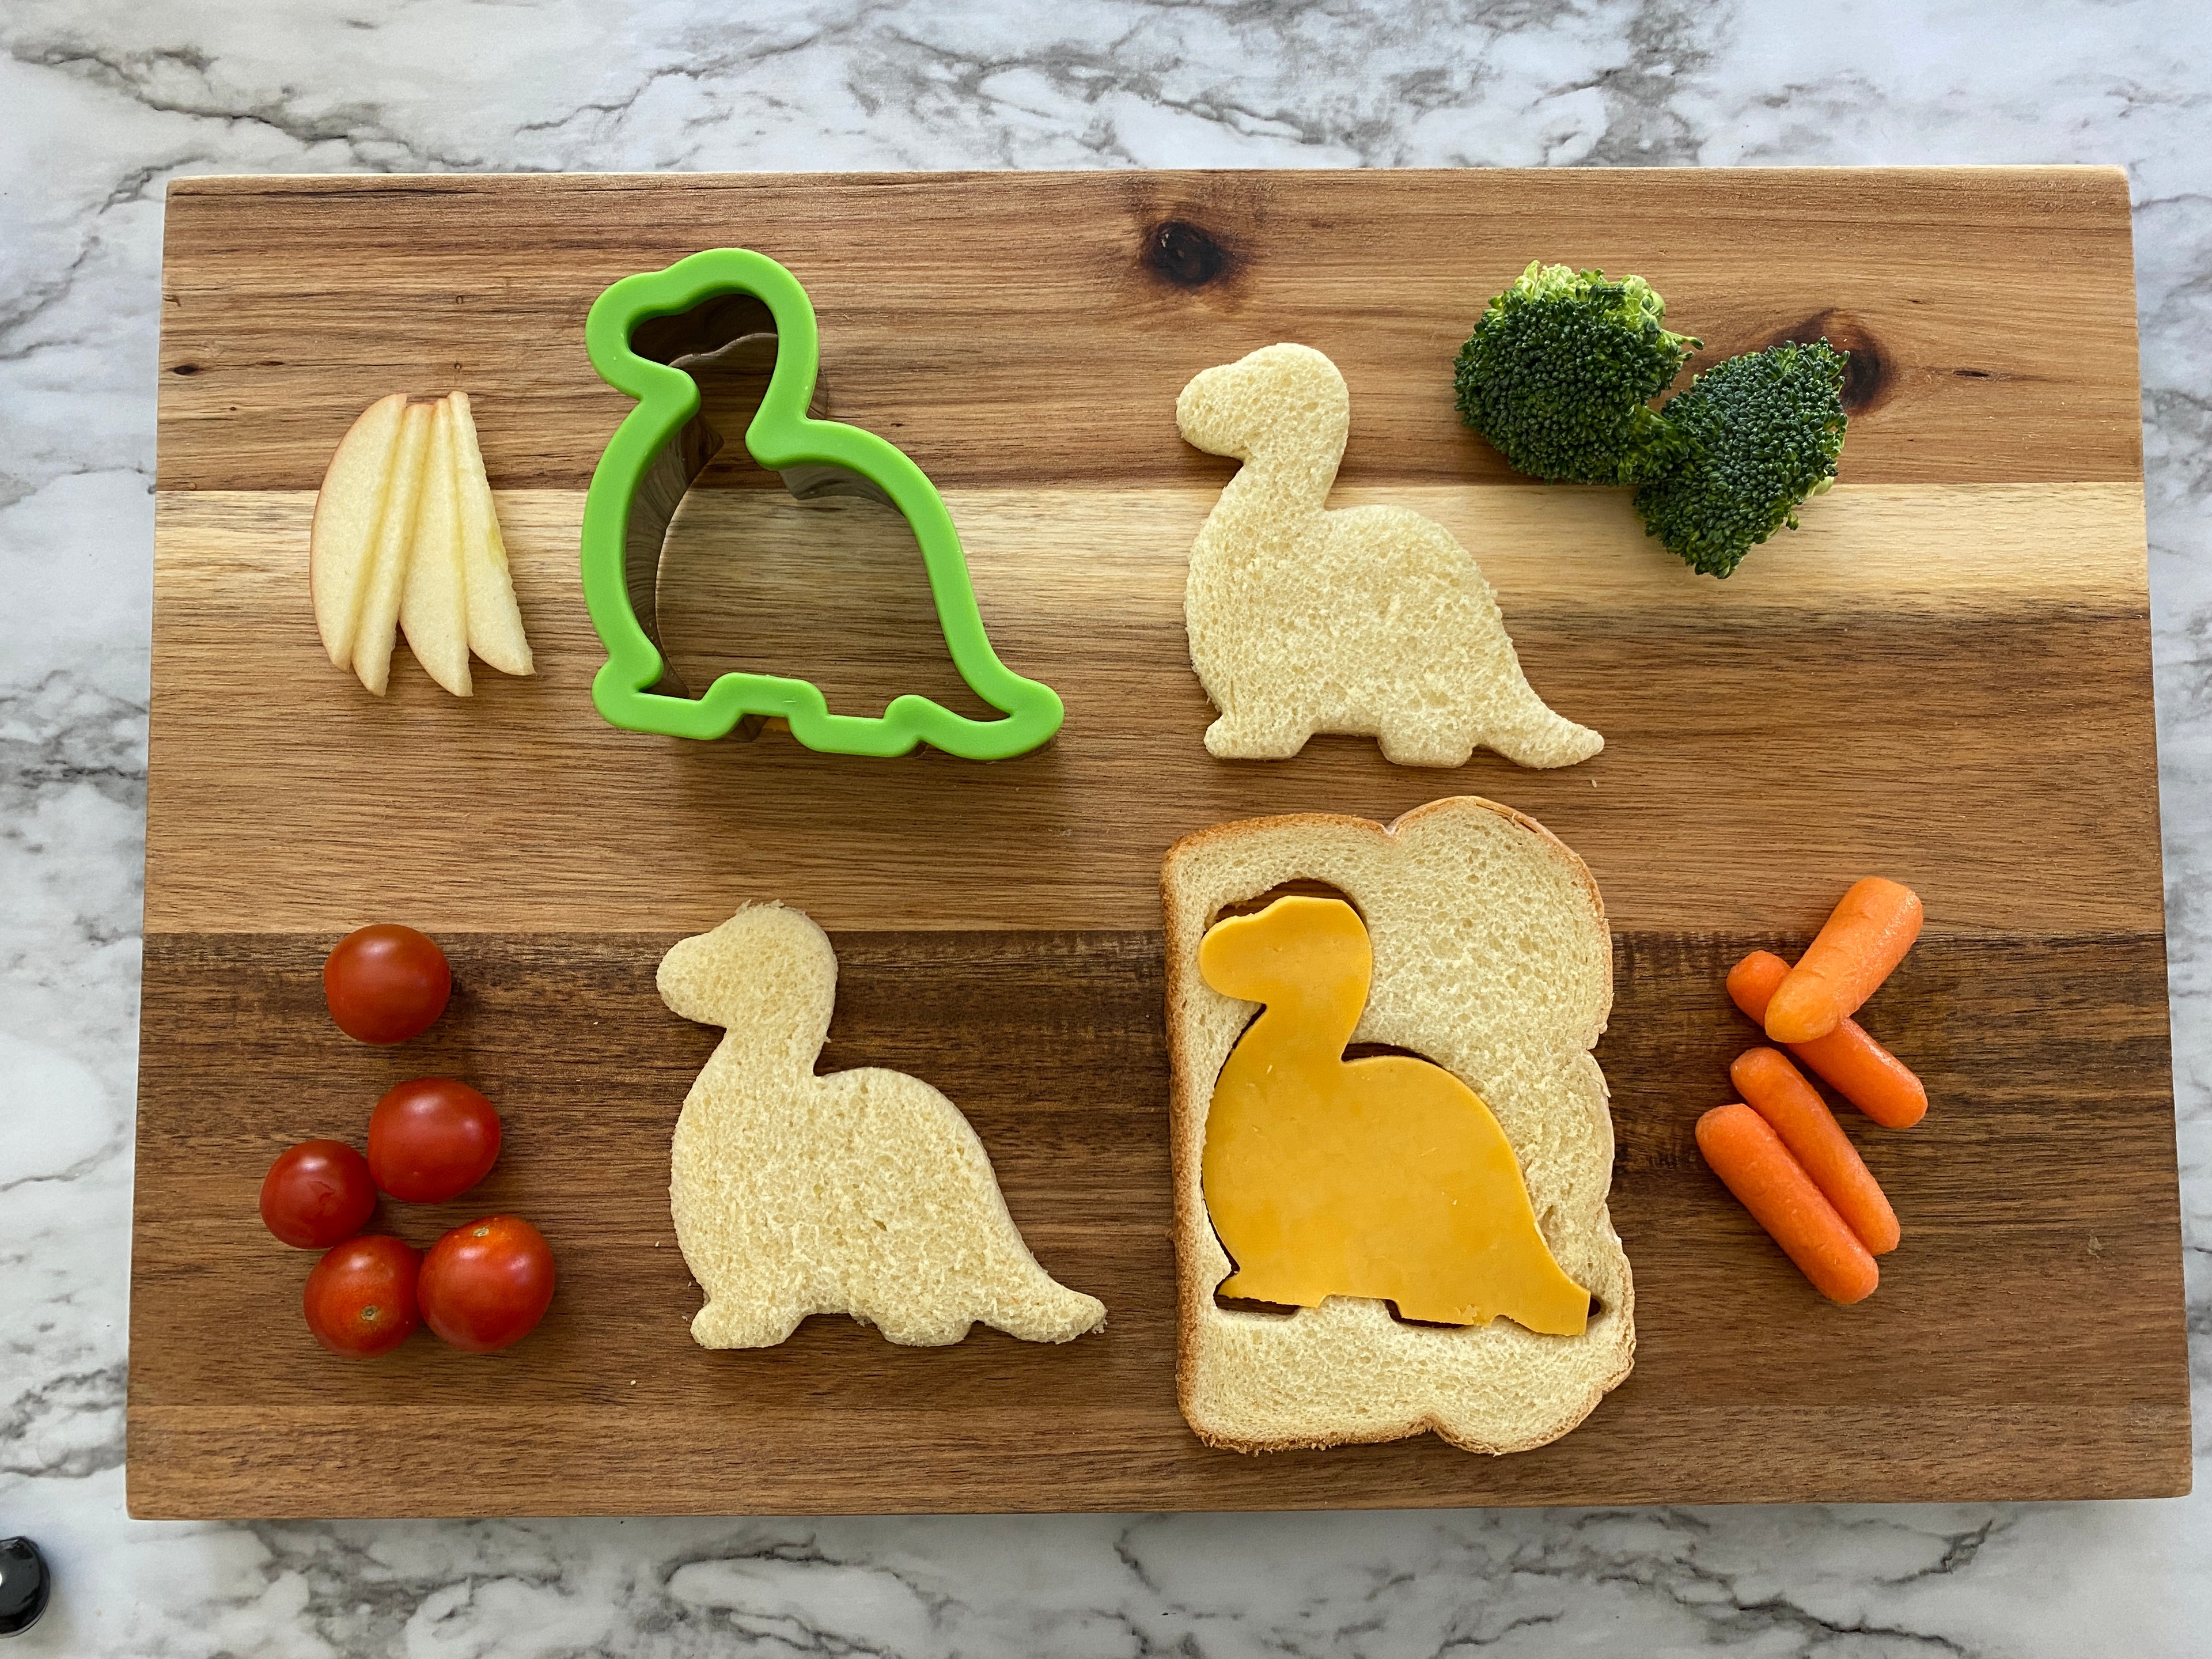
(1745, 1153)
(1772, 1087)
(1866, 936)
(1857, 1067)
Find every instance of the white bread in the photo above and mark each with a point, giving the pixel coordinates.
(1491, 959)
(862, 1191)
(1369, 620)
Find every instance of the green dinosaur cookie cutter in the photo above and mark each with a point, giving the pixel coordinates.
(664, 443)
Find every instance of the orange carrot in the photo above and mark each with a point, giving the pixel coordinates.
(1746, 1154)
(1857, 1067)
(1772, 1087)
(1866, 936)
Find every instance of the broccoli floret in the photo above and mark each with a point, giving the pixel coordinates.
(1558, 371)
(1759, 434)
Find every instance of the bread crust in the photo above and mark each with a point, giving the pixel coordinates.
(1190, 1096)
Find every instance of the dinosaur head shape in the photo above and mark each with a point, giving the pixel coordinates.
(1284, 406)
(1298, 949)
(748, 974)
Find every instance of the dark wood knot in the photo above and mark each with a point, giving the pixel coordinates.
(1867, 375)
(1179, 252)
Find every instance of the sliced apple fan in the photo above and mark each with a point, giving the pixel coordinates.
(406, 538)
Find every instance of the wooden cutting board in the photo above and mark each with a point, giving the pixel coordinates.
(1944, 677)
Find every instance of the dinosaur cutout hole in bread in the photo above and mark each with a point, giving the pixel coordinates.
(1245, 1304)
(1296, 887)
(1597, 1311)
(1380, 1050)
(1370, 621)
(862, 1191)
(1385, 1177)
(1491, 958)
(1287, 1310)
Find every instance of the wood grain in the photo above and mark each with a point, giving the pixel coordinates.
(1944, 677)
(2024, 1339)
(1997, 631)
(1002, 328)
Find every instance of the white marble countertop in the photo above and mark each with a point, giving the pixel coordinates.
(103, 101)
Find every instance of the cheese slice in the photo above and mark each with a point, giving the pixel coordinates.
(1384, 1177)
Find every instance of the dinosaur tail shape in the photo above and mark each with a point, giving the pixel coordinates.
(1516, 722)
(1524, 729)
(1026, 1302)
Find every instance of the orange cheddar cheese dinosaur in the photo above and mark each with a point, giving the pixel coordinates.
(1384, 1177)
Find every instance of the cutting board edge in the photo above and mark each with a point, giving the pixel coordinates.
(2111, 173)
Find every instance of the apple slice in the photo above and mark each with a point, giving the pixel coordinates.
(495, 620)
(349, 516)
(434, 606)
(395, 539)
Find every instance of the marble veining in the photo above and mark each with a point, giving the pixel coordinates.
(102, 102)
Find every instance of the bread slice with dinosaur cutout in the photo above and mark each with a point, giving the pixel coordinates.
(863, 1192)
(1490, 959)
(1368, 620)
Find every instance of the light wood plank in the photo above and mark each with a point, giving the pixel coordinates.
(1999, 631)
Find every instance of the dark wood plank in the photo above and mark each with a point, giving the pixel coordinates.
(1034, 328)
(2036, 1290)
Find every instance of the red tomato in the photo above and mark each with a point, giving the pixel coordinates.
(432, 1140)
(386, 983)
(318, 1193)
(486, 1284)
(361, 1297)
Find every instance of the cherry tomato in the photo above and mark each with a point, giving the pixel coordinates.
(432, 1140)
(317, 1194)
(361, 1297)
(485, 1285)
(386, 983)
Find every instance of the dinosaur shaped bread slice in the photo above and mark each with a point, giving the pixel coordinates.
(864, 1191)
(1422, 1244)
(1367, 620)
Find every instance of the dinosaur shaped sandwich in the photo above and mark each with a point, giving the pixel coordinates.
(1372, 1246)
(1368, 620)
(864, 1191)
